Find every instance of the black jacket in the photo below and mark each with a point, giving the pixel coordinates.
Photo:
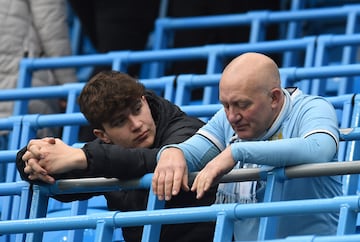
(104, 160)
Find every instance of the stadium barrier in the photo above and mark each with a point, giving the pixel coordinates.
(257, 21)
(292, 24)
(29, 123)
(224, 214)
(32, 122)
(213, 55)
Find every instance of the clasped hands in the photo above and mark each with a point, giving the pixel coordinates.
(48, 156)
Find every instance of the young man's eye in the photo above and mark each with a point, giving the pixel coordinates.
(118, 122)
(137, 108)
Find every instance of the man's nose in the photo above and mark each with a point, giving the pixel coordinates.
(134, 122)
(234, 115)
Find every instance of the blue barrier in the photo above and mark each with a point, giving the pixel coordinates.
(347, 45)
(213, 55)
(298, 76)
(257, 20)
(294, 76)
(292, 23)
(16, 197)
(224, 214)
(349, 135)
(32, 122)
(11, 204)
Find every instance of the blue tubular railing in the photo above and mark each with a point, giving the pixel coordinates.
(224, 214)
(216, 52)
(104, 223)
(257, 20)
(351, 183)
(15, 204)
(21, 190)
(187, 83)
(349, 45)
(11, 204)
(32, 122)
(212, 54)
(296, 76)
(133, 57)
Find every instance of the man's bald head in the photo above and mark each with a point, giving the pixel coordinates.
(253, 68)
(251, 94)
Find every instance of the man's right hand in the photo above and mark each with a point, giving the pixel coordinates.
(170, 174)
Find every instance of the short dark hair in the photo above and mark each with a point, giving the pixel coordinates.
(108, 93)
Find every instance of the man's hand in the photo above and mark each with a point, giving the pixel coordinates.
(213, 171)
(170, 174)
(48, 156)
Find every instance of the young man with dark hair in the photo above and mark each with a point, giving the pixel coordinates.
(131, 124)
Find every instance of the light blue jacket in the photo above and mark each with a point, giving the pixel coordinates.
(308, 131)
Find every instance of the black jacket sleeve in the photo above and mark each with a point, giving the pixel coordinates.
(114, 161)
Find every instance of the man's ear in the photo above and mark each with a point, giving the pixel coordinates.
(143, 98)
(276, 95)
(102, 135)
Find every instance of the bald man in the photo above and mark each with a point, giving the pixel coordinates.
(260, 124)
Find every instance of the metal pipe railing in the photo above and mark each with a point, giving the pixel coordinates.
(67, 186)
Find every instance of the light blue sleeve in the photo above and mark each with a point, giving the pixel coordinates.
(317, 147)
(208, 142)
(310, 134)
(198, 151)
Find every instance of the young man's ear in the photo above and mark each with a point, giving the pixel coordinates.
(102, 135)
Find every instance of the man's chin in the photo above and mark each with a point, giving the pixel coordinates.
(244, 135)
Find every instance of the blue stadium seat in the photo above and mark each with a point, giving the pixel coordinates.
(15, 200)
(257, 21)
(293, 23)
(347, 46)
(14, 197)
(213, 55)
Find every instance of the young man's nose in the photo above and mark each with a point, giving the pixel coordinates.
(134, 122)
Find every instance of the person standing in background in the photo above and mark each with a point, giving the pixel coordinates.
(33, 29)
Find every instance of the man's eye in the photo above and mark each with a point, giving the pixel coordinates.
(118, 122)
(226, 106)
(137, 108)
(243, 106)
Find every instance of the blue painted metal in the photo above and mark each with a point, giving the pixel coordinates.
(181, 215)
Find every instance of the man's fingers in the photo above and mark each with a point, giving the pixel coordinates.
(36, 172)
(185, 182)
(158, 185)
(170, 185)
(50, 140)
(201, 184)
(44, 178)
(198, 186)
(32, 166)
(27, 155)
(34, 150)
